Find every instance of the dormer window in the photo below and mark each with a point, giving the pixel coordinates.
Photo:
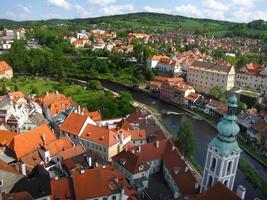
(141, 167)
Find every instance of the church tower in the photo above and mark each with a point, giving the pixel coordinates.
(223, 151)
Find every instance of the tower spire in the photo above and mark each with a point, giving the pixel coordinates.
(223, 150)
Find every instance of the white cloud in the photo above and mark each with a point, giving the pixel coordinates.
(26, 9)
(101, 2)
(245, 15)
(60, 3)
(82, 11)
(188, 10)
(244, 3)
(215, 5)
(117, 9)
(157, 10)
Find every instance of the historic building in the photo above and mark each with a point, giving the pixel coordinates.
(203, 76)
(223, 151)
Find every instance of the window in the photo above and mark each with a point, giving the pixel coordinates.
(226, 183)
(1, 183)
(210, 181)
(213, 164)
(229, 167)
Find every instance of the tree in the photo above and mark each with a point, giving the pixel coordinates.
(216, 92)
(35, 91)
(95, 85)
(242, 105)
(4, 89)
(184, 139)
(16, 88)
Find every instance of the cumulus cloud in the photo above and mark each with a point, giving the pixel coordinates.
(82, 11)
(117, 9)
(243, 3)
(188, 10)
(215, 5)
(157, 10)
(101, 2)
(26, 9)
(60, 3)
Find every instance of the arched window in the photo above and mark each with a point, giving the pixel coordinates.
(210, 181)
(226, 183)
(213, 164)
(229, 167)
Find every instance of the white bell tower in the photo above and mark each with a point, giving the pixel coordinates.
(223, 151)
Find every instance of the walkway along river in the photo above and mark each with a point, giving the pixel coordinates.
(171, 117)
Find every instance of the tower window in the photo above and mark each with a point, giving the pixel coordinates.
(210, 181)
(213, 164)
(229, 167)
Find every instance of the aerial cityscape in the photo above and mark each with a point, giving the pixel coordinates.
(137, 100)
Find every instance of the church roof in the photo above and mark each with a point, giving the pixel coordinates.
(228, 129)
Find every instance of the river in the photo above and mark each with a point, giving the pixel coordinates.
(203, 133)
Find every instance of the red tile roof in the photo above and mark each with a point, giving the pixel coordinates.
(74, 123)
(29, 141)
(17, 196)
(99, 182)
(138, 134)
(15, 96)
(61, 189)
(102, 135)
(6, 137)
(219, 192)
(4, 67)
(58, 145)
(71, 152)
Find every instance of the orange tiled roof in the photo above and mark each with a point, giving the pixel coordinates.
(4, 67)
(27, 142)
(192, 96)
(71, 152)
(74, 123)
(96, 116)
(31, 160)
(52, 97)
(100, 135)
(61, 189)
(58, 145)
(99, 182)
(138, 134)
(16, 96)
(59, 106)
(6, 137)
(159, 57)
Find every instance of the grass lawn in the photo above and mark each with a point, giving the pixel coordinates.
(26, 84)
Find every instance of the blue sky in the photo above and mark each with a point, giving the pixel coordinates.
(230, 10)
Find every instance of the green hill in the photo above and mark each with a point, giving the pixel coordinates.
(154, 22)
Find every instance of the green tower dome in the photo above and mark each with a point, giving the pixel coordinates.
(228, 129)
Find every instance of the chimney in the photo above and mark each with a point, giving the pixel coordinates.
(56, 178)
(79, 109)
(44, 139)
(173, 148)
(186, 169)
(89, 161)
(96, 164)
(196, 185)
(241, 192)
(23, 168)
(82, 171)
(121, 136)
(56, 92)
(139, 149)
(157, 143)
(47, 93)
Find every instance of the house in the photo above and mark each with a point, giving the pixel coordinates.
(191, 99)
(154, 60)
(138, 137)
(6, 71)
(139, 162)
(252, 76)
(204, 75)
(166, 88)
(53, 103)
(61, 188)
(8, 177)
(102, 182)
(258, 132)
(215, 108)
(105, 142)
(35, 138)
(74, 130)
(37, 184)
